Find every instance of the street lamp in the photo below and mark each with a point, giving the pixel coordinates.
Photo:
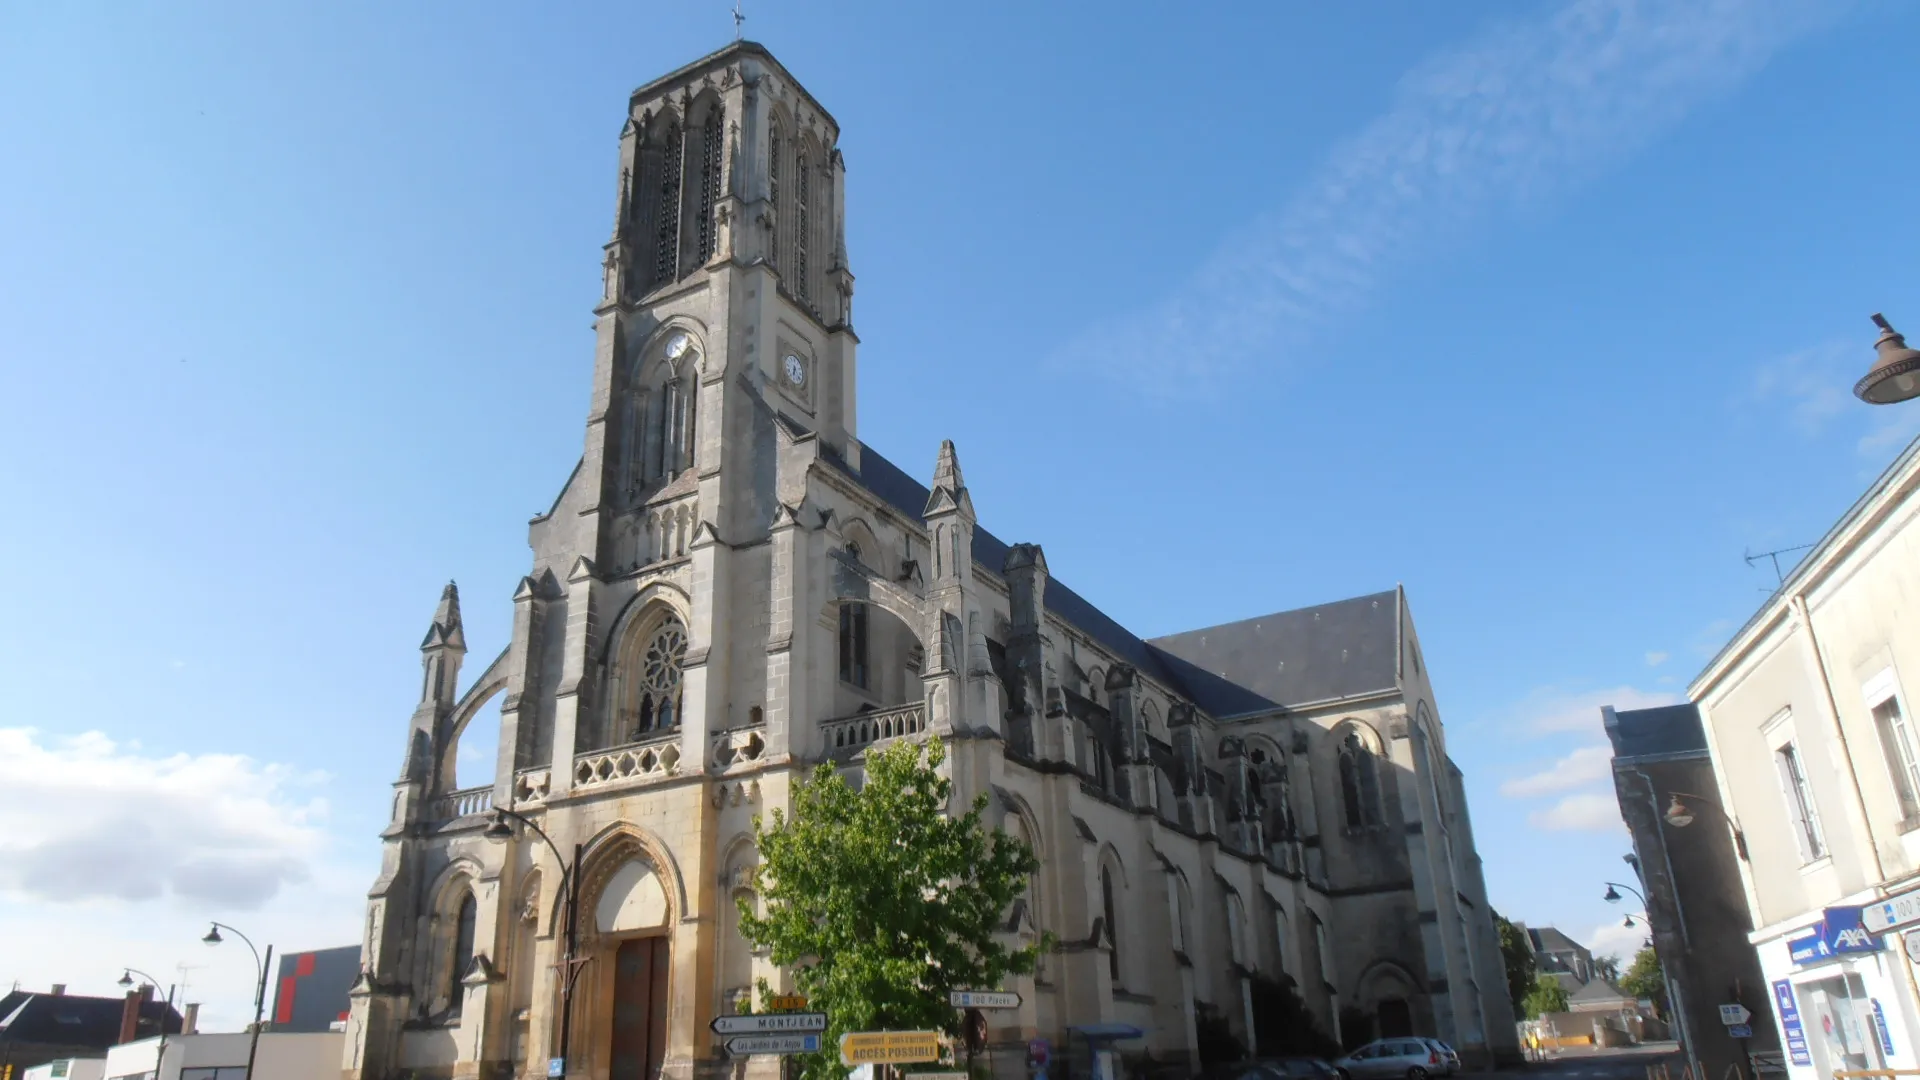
(1895, 376)
(260, 991)
(1679, 816)
(500, 830)
(126, 983)
(1613, 893)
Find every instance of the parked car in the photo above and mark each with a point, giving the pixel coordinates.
(1287, 1068)
(1395, 1059)
(1449, 1057)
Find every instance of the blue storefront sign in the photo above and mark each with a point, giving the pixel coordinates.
(1810, 949)
(1789, 1011)
(1880, 1025)
(1843, 931)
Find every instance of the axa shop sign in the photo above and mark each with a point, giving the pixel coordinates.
(1845, 931)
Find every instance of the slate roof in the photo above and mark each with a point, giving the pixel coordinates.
(1319, 653)
(1287, 658)
(1598, 991)
(1668, 729)
(1546, 939)
(32, 1019)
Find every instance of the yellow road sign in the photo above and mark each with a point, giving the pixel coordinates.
(787, 1003)
(888, 1047)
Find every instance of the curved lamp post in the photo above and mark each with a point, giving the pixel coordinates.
(125, 982)
(260, 992)
(1678, 816)
(500, 830)
(1895, 376)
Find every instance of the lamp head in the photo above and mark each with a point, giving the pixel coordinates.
(1896, 371)
(1677, 814)
(213, 937)
(126, 980)
(499, 829)
(1628, 921)
(1613, 895)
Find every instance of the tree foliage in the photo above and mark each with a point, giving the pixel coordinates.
(1547, 996)
(1608, 968)
(1283, 1026)
(881, 902)
(1645, 980)
(1519, 961)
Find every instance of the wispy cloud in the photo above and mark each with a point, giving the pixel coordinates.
(1516, 115)
(1584, 766)
(1656, 658)
(1616, 938)
(1812, 384)
(1585, 812)
(1552, 710)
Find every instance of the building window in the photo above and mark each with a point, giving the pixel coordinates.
(774, 143)
(1359, 783)
(666, 238)
(853, 644)
(462, 949)
(1896, 743)
(802, 291)
(660, 671)
(1113, 929)
(709, 180)
(1800, 807)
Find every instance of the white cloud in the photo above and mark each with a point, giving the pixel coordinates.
(1655, 659)
(111, 856)
(86, 819)
(1514, 116)
(1586, 811)
(1551, 710)
(1578, 769)
(1618, 939)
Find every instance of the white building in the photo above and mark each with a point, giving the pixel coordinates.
(281, 1056)
(1809, 726)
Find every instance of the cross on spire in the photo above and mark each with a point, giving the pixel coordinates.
(738, 18)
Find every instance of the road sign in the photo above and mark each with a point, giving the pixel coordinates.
(1734, 1014)
(1740, 1031)
(888, 1047)
(787, 1002)
(1039, 1054)
(743, 1045)
(983, 999)
(769, 1023)
(1891, 913)
(556, 1067)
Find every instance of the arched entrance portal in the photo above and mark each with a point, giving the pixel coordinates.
(627, 1003)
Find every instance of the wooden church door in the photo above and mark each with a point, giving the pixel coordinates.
(639, 1009)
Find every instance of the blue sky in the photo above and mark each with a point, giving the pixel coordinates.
(1547, 311)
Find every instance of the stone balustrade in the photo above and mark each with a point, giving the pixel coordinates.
(459, 804)
(736, 748)
(658, 758)
(847, 738)
(532, 786)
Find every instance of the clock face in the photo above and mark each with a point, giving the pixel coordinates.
(677, 346)
(796, 371)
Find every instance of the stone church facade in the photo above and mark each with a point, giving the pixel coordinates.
(732, 588)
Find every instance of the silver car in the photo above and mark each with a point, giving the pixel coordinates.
(1394, 1059)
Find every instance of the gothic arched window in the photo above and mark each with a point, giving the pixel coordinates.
(710, 177)
(1113, 935)
(801, 288)
(1359, 782)
(666, 236)
(657, 419)
(462, 947)
(658, 708)
(776, 143)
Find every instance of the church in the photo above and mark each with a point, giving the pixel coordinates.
(731, 588)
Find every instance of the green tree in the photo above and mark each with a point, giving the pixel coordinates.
(1547, 996)
(881, 902)
(1645, 979)
(1608, 968)
(1519, 963)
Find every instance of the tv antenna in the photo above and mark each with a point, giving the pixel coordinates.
(1779, 574)
(183, 969)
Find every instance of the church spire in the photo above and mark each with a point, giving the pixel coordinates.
(442, 650)
(949, 487)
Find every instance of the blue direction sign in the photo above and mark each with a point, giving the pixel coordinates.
(1740, 1031)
